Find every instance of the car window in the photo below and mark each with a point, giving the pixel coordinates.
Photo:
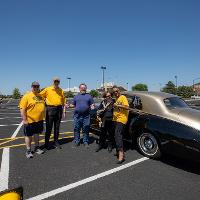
(135, 102)
(175, 102)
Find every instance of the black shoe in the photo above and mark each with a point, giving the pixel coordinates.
(120, 161)
(46, 148)
(99, 147)
(57, 145)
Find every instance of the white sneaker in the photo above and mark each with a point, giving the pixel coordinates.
(29, 154)
(38, 151)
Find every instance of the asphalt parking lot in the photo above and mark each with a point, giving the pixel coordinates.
(80, 173)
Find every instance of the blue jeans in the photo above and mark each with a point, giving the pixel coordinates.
(81, 122)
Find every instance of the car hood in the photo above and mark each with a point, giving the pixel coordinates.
(190, 117)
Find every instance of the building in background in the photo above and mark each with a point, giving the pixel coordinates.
(108, 87)
(74, 90)
(196, 88)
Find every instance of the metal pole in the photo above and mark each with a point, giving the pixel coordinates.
(176, 77)
(69, 79)
(103, 81)
(127, 86)
(69, 84)
(103, 76)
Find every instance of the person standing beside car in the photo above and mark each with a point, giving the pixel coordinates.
(83, 103)
(32, 108)
(55, 107)
(120, 118)
(105, 114)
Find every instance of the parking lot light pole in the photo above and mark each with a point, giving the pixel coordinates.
(69, 79)
(127, 85)
(176, 77)
(103, 76)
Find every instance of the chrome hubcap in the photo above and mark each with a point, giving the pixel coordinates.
(148, 144)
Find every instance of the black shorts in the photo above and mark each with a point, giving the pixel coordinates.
(33, 128)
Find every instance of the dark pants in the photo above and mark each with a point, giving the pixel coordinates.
(119, 132)
(107, 131)
(81, 122)
(53, 118)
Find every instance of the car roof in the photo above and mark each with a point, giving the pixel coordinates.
(159, 95)
(152, 102)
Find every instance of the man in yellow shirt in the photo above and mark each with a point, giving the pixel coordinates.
(120, 118)
(32, 108)
(55, 103)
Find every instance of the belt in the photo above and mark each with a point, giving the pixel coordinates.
(50, 106)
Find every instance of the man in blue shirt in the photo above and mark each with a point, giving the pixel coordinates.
(82, 103)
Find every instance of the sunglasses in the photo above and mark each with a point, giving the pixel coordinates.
(35, 86)
(56, 81)
(108, 96)
(117, 91)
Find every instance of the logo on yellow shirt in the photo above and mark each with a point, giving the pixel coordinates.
(38, 99)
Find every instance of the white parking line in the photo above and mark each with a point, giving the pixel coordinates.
(1, 125)
(87, 180)
(11, 118)
(17, 113)
(4, 172)
(17, 130)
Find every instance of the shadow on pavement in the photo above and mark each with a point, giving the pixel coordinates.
(64, 141)
(183, 164)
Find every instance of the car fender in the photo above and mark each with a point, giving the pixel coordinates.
(138, 123)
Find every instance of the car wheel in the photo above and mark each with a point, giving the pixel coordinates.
(148, 145)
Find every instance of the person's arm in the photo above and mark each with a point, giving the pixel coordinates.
(23, 106)
(73, 104)
(100, 106)
(122, 106)
(92, 105)
(64, 99)
(125, 104)
(24, 116)
(43, 93)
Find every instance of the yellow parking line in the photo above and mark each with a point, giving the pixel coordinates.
(2, 139)
(8, 141)
(12, 146)
(19, 145)
(41, 141)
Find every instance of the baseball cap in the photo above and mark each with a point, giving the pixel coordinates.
(56, 79)
(35, 83)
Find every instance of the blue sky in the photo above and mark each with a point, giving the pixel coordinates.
(148, 41)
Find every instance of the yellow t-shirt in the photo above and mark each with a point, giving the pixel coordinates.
(121, 114)
(53, 97)
(34, 106)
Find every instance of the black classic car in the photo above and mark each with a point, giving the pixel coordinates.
(160, 122)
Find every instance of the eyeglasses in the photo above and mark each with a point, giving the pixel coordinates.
(56, 81)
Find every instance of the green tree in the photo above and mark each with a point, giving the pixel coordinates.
(169, 88)
(140, 87)
(16, 94)
(94, 93)
(69, 94)
(185, 91)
